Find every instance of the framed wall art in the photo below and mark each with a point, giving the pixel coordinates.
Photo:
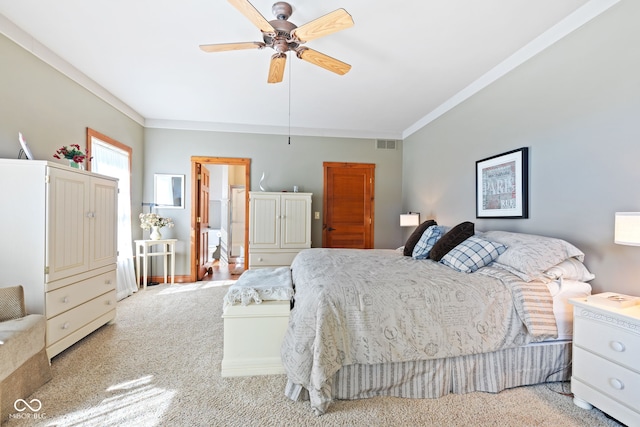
(502, 185)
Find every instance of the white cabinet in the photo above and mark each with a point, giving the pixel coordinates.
(606, 360)
(60, 231)
(279, 227)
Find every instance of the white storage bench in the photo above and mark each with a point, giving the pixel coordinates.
(253, 332)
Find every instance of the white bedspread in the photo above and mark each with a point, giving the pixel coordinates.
(376, 306)
(261, 284)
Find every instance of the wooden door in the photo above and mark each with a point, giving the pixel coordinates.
(202, 222)
(348, 205)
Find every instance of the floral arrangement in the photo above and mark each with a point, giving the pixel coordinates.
(148, 220)
(71, 152)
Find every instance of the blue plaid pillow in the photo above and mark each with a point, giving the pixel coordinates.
(472, 254)
(427, 240)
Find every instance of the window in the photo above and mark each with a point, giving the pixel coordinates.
(111, 158)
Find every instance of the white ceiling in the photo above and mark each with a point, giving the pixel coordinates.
(410, 58)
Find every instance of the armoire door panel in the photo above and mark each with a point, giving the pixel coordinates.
(67, 235)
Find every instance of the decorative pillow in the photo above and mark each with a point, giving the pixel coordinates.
(426, 242)
(529, 255)
(453, 238)
(415, 236)
(12, 303)
(570, 269)
(472, 254)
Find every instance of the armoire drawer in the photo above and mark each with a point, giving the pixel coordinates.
(71, 296)
(68, 322)
(268, 259)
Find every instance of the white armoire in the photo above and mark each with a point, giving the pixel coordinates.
(59, 230)
(279, 227)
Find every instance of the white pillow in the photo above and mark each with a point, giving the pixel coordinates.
(528, 256)
(570, 269)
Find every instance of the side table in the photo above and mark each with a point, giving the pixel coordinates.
(168, 248)
(606, 359)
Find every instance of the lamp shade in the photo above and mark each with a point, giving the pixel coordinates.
(627, 228)
(411, 219)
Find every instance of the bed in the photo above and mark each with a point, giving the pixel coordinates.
(378, 323)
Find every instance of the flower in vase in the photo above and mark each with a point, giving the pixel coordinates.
(148, 220)
(71, 152)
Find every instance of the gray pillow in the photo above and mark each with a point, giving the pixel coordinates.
(530, 255)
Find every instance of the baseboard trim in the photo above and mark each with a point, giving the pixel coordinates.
(176, 279)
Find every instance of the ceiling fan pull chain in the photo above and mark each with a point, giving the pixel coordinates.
(290, 102)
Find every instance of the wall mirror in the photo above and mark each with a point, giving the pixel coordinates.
(168, 191)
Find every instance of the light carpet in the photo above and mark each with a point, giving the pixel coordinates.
(159, 365)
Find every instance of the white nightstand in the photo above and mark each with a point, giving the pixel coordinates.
(606, 359)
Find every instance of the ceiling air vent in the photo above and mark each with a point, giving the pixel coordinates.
(386, 144)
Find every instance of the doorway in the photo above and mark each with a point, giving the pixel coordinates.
(219, 220)
(348, 205)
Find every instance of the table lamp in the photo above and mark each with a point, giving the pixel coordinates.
(410, 219)
(627, 228)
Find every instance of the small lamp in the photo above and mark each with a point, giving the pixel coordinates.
(410, 219)
(627, 228)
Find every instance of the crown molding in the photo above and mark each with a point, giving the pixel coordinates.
(571, 23)
(40, 51)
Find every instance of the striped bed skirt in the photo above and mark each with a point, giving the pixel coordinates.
(488, 372)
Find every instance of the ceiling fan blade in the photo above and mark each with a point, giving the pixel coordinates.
(248, 10)
(276, 69)
(330, 23)
(222, 47)
(324, 61)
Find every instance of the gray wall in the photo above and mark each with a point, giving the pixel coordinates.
(284, 165)
(577, 106)
(51, 111)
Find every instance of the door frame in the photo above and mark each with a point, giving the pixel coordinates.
(206, 160)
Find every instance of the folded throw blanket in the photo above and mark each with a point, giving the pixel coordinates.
(271, 284)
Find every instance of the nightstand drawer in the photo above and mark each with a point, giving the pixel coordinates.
(609, 341)
(615, 381)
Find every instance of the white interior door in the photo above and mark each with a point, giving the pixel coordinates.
(237, 217)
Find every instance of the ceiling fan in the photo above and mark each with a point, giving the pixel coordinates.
(283, 36)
